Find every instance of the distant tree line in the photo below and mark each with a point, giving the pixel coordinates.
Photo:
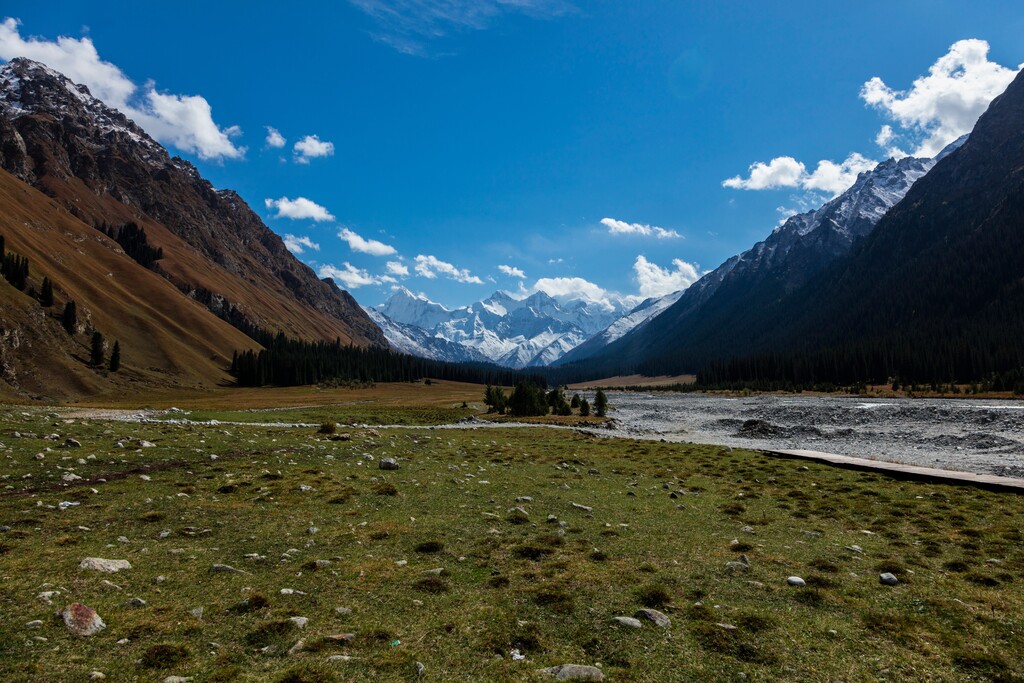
(530, 399)
(291, 362)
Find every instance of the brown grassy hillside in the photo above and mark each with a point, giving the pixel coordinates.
(167, 340)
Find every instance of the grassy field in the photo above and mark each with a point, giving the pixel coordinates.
(316, 526)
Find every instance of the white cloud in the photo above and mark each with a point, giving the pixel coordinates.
(555, 261)
(274, 138)
(945, 104)
(787, 172)
(311, 147)
(299, 208)
(430, 267)
(779, 172)
(184, 121)
(936, 110)
(409, 25)
(836, 178)
(885, 136)
(617, 227)
(352, 277)
(654, 280)
(512, 272)
(365, 246)
(570, 288)
(297, 244)
(397, 268)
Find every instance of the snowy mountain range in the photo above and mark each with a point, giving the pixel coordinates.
(541, 330)
(515, 332)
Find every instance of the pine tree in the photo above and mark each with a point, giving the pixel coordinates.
(115, 357)
(96, 353)
(584, 407)
(600, 404)
(46, 296)
(69, 319)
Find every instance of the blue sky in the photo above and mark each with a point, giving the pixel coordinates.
(451, 142)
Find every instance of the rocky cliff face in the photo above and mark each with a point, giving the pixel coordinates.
(55, 136)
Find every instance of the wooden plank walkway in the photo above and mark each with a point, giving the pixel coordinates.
(903, 471)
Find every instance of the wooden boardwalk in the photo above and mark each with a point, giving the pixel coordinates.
(903, 471)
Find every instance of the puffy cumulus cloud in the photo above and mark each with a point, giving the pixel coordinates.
(836, 178)
(937, 109)
(944, 104)
(570, 288)
(397, 268)
(410, 25)
(512, 271)
(274, 138)
(352, 277)
(653, 280)
(787, 172)
(184, 121)
(617, 227)
(430, 267)
(298, 245)
(299, 208)
(311, 147)
(364, 246)
(779, 172)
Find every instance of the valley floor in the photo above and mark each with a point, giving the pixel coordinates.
(487, 556)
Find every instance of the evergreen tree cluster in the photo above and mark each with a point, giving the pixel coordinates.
(133, 240)
(528, 400)
(293, 362)
(13, 267)
(495, 400)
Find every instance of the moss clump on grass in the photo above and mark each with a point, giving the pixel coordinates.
(653, 595)
(429, 547)
(271, 633)
(164, 656)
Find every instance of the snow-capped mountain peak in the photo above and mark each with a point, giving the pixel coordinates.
(516, 331)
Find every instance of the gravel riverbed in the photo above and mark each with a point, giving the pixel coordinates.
(982, 436)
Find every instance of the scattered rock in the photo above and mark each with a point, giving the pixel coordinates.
(38, 623)
(177, 679)
(228, 569)
(72, 443)
(574, 672)
(137, 602)
(388, 464)
(796, 581)
(343, 611)
(659, 618)
(421, 670)
(585, 508)
(82, 620)
(888, 579)
(96, 675)
(99, 564)
(300, 622)
(628, 621)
